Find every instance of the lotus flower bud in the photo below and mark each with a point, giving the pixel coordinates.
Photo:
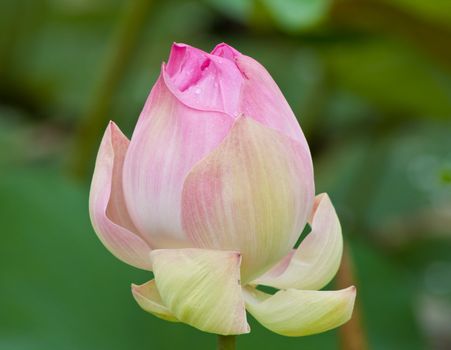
(211, 194)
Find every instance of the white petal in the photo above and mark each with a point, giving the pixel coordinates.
(202, 288)
(297, 313)
(318, 257)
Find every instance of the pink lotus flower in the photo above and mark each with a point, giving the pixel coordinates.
(212, 193)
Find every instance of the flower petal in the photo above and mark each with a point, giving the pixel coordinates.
(318, 257)
(251, 194)
(169, 139)
(109, 215)
(261, 98)
(203, 81)
(297, 313)
(148, 297)
(202, 288)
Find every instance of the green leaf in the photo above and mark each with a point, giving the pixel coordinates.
(297, 15)
(438, 11)
(391, 76)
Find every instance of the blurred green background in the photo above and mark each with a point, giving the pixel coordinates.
(370, 81)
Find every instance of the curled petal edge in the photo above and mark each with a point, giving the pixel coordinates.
(149, 299)
(296, 313)
(107, 208)
(317, 259)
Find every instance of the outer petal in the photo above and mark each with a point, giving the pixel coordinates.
(318, 257)
(169, 139)
(261, 98)
(297, 312)
(252, 194)
(148, 297)
(202, 288)
(109, 215)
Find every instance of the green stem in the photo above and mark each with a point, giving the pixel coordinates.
(226, 342)
(116, 62)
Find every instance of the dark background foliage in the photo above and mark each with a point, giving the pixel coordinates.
(370, 81)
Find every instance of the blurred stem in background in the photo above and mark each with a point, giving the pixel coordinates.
(9, 39)
(352, 334)
(226, 342)
(116, 62)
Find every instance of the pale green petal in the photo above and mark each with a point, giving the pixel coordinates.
(297, 313)
(202, 288)
(317, 259)
(148, 297)
(252, 194)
